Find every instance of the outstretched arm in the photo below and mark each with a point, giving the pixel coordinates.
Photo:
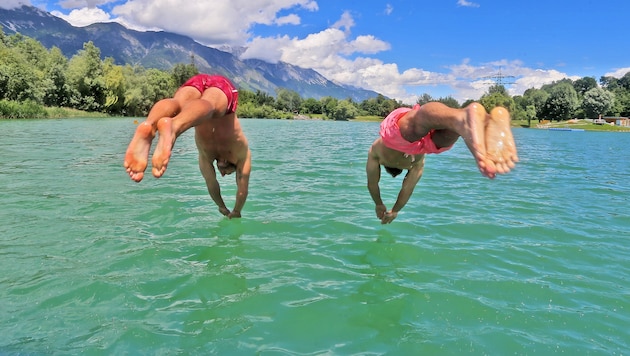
(373, 170)
(210, 176)
(243, 170)
(409, 183)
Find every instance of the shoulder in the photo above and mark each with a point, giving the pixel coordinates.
(376, 148)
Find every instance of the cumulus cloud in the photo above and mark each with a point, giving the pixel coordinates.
(618, 73)
(472, 81)
(329, 51)
(334, 51)
(217, 22)
(84, 16)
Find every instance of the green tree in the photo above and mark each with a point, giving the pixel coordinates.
(625, 81)
(17, 78)
(584, 84)
(497, 96)
(288, 100)
(344, 110)
(597, 101)
(608, 82)
(183, 72)
(3, 39)
(536, 98)
(262, 98)
(450, 102)
(530, 114)
(311, 106)
(144, 88)
(328, 105)
(621, 106)
(85, 79)
(252, 110)
(57, 91)
(562, 102)
(424, 98)
(115, 87)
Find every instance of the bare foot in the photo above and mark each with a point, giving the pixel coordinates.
(163, 149)
(137, 154)
(473, 132)
(500, 146)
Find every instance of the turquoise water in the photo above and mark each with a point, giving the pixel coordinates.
(535, 262)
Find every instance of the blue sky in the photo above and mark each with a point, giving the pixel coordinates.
(400, 48)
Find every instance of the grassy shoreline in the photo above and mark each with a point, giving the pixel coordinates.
(59, 113)
(571, 124)
(579, 124)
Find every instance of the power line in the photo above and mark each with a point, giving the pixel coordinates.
(499, 78)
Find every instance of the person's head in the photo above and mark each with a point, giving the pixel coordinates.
(225, 167)
(393, 171)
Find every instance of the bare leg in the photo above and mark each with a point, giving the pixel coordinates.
(500, 145)
(450, 124)
(193, 114)
(162, 153)
(473, 131)
(137, 154)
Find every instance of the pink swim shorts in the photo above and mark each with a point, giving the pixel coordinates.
(202, 82)
(390, 133)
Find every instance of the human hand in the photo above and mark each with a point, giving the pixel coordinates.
(388, 217)
(380, 211)
(234, 214)
(225, 211)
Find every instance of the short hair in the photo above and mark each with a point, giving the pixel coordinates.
(393, 171)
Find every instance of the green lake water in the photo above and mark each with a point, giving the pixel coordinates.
(536, 262)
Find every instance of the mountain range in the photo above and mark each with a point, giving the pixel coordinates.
(163, 50)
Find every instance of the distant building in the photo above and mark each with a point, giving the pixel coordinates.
(617, 121)
(612, 120)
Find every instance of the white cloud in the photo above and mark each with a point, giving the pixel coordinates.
(334, 52)
(266, 48)
(618, 73)
(346, 22)
(84, 17)
(389, 9)
(328, 53)
(217, 22)
(466, 3)
(536, 78)
(292, 19)
(73, 4)
(12, 4)
(367, 45)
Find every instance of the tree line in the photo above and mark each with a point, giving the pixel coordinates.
(33, 77)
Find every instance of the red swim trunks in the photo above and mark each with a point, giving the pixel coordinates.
(390, 133)
(202, 82)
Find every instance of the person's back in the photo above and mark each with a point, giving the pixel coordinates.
(222, 139)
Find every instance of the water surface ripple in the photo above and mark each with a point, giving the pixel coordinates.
(535, 262)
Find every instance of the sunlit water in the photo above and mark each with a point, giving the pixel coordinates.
(535, 262)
